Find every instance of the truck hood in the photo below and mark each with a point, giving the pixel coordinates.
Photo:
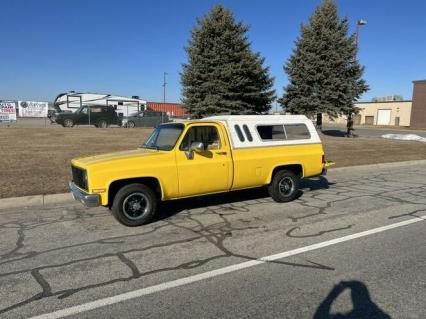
(123, 155)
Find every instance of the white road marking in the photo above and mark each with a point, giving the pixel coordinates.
(210, 274)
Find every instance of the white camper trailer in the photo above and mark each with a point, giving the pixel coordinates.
(124, 106)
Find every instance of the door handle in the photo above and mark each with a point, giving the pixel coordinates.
(221, 153)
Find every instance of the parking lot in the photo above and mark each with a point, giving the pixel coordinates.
(206, 253)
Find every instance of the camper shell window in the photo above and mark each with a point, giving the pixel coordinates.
(248, 134)
(297, 132)
(271, 132)
(239, 133)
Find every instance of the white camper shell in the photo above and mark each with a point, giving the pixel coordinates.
(124, 106)
(250, 131)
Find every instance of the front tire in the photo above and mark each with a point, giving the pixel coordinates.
(68, 123)
(284, 186)
(130, 124)
(134, 205)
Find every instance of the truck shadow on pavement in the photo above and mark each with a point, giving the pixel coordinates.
(363, 306)
(229, 201)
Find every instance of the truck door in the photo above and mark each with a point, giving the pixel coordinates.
(208, 170)
(96, 112)
(83, 116)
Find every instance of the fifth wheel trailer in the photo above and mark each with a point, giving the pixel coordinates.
(124, 106)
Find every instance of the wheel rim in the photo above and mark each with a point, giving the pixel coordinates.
(136, 205)
(286, 186)
(131, 124)
(103, 124)
(68, 123)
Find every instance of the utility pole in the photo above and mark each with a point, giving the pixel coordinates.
(164, 87)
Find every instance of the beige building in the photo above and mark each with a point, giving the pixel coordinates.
(397, 113)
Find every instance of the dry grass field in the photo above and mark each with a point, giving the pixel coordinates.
(37, 160)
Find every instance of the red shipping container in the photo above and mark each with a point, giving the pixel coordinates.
(172, 109)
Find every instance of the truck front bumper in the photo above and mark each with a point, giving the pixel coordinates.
(90, 200)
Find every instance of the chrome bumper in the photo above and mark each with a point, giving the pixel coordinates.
(90, 200)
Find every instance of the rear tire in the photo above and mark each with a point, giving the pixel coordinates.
(134, 205)
(284, 186)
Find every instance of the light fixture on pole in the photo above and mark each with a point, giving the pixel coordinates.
(358, 25)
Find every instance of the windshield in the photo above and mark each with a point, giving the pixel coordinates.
(164, 137)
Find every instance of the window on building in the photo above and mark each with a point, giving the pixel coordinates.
(239, 133)
(271, 132)
(297, 132)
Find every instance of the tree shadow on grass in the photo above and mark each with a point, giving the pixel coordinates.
(337, 133)
(363, 306)
(334, 133)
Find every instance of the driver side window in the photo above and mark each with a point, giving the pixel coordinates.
(208, 135)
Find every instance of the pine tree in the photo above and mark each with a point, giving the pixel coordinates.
(324, 74)
(223, 75)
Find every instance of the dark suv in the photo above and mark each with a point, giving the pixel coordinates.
(97, 115)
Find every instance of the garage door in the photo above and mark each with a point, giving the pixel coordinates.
(383, 117)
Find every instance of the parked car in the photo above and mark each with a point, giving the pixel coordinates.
(193, 158)
(97, 115)
(145, 119)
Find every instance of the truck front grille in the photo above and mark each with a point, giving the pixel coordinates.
(79, 177)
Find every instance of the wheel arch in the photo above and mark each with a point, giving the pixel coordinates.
(296, 168)
(150, 181)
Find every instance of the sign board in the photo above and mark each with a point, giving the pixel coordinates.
(32, 109)
(7, 111)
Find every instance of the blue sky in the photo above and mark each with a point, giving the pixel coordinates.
(123, 47)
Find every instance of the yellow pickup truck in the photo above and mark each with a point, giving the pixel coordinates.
(199, 157)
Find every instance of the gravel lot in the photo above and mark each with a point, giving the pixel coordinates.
(36, 160)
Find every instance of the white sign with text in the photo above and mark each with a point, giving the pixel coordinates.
(32, 109)
(7, 111)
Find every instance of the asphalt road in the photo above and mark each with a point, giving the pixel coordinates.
(354, 243)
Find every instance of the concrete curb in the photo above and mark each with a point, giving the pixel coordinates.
(380, 165)
(41, 200)
(36, 200)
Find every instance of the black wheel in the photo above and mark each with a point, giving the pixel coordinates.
(102, 124)
(68, 123)
(284, 186)
(130, 124)
(134, 205)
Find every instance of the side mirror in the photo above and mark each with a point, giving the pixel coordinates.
(195, 147)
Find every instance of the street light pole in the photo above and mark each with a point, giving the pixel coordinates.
(350, 120)
(358, 25)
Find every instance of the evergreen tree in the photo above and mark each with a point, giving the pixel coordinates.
(223, 75)
(324, 74)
